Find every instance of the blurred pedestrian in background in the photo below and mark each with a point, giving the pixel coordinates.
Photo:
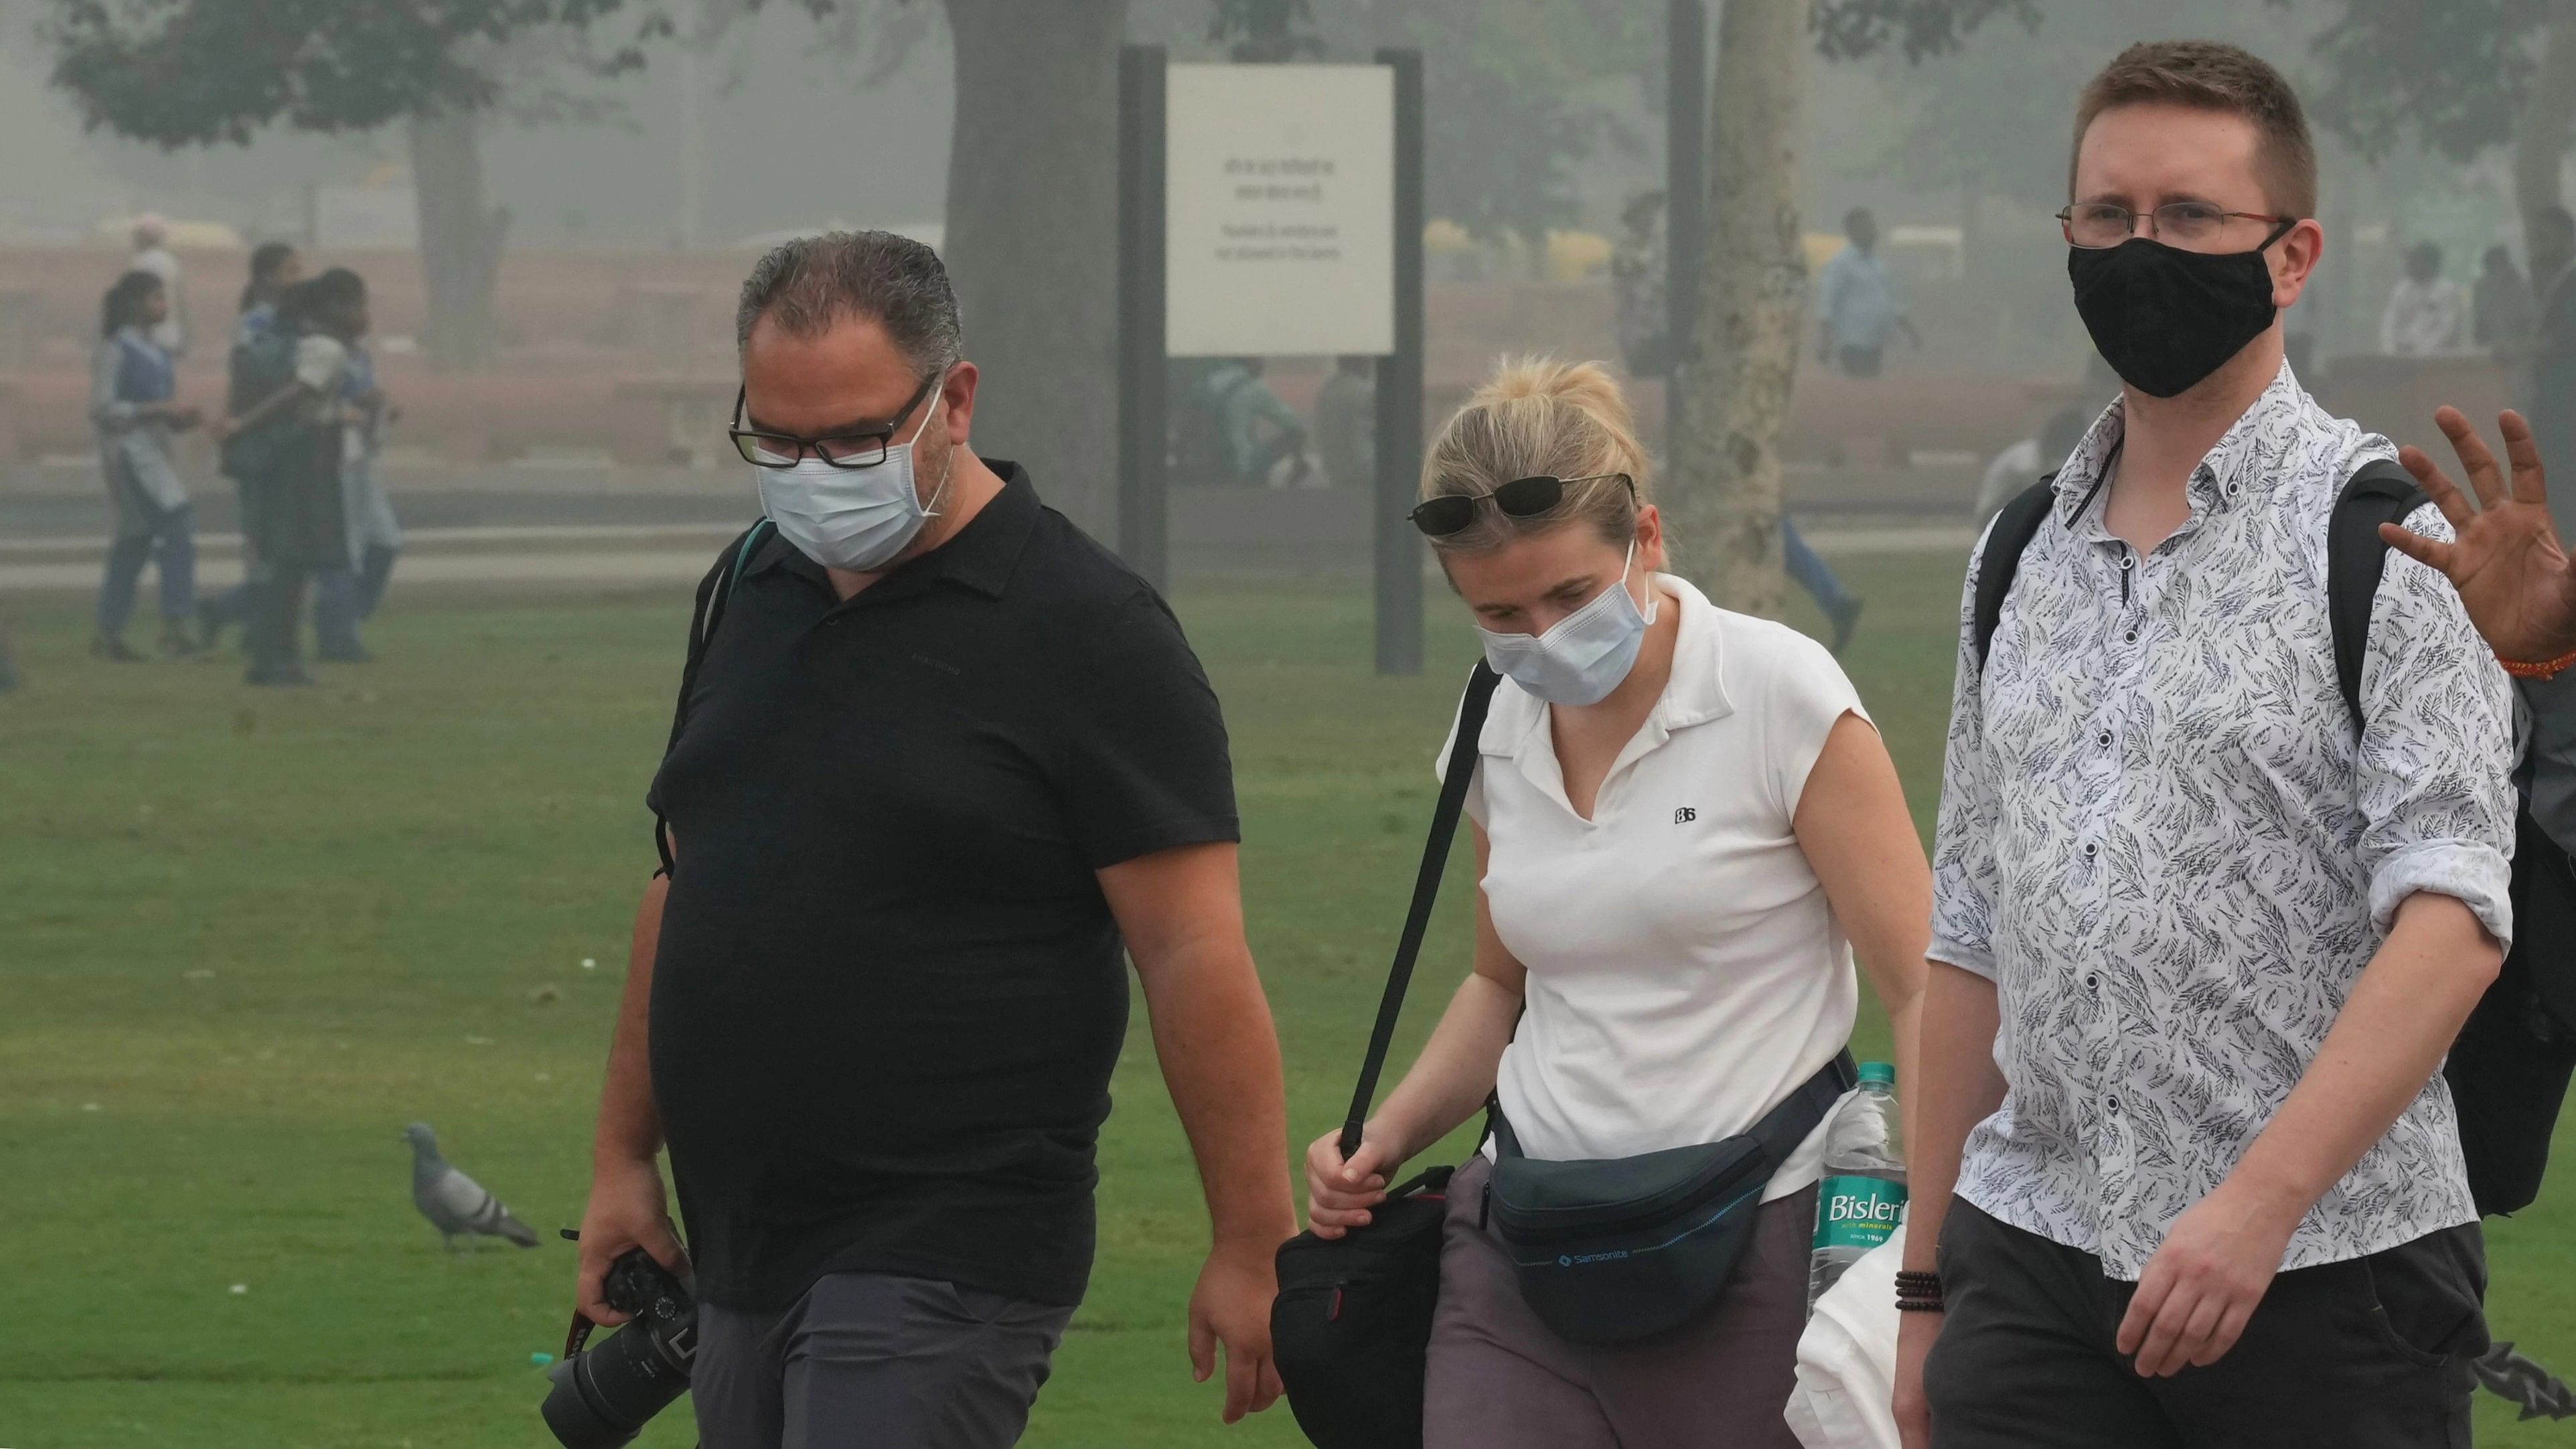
(346, 597)
(274, 267)
(2427, 313)
(152, 254)
(1638, 278)
(2549, 390)
(133, 403)
(2500, 308)
(1346, 423)
(289, 449)
(1260, 431)
(1857, 303)
(2026, 462)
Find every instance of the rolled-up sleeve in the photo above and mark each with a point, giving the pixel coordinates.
(1963, 844)
(2553, 755)
(109, 411)
(2435, 776)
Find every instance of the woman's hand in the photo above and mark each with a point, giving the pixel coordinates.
(1339, 1193)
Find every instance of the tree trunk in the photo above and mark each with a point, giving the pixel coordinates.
(1032, 241)
(460, 239)
(1753, 305)
(2540, 146)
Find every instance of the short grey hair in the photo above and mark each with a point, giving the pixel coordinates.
(806, 285)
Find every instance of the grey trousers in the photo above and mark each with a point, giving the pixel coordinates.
(873, 1361)
(1499, 1379)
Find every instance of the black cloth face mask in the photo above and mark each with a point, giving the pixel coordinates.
(2165, 318)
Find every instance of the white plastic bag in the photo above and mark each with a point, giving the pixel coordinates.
(1847, 1358)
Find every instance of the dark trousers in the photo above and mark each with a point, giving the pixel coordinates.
(168, 534)
(873, 1361)
(2372, 1353)
(277, 599)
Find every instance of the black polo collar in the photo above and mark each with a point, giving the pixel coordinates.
(982, 556)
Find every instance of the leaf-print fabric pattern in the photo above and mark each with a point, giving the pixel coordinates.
(2161, 839)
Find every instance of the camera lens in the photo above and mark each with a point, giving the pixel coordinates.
(603, 1398)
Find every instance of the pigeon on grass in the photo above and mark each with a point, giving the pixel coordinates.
(455, 1204)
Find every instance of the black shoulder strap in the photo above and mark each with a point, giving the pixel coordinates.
(2000, 559)
(1426, 889)
(714, 592)
(1786, 1125)
(2380, 492)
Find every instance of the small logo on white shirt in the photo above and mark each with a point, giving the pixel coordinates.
(1685, 815)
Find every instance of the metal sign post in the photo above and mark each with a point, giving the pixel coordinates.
(1144, 462)
(1271, 211)
(1399, 394)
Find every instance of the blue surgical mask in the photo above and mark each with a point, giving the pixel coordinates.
(854, 519)
(1585, 656)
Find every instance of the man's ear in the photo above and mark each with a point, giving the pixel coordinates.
(957, 393)
(2293, 260)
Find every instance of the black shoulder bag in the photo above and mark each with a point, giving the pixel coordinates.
(1352, 1323)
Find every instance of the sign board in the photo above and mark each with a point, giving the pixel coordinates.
(365, 216)
(1279, 210)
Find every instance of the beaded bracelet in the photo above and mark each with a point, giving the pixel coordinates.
(2544, 669)
(1919, 1293)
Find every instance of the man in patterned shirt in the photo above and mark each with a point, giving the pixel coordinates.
(2200, 939)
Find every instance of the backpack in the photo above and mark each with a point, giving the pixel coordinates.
(258, 367)
(2509, 1069)
(714, 592)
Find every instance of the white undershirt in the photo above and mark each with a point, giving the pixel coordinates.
(1685, 971)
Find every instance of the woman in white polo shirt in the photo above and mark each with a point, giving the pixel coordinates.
(1686, 828)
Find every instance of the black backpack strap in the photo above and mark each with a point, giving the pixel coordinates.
(2356, 557)
(714, 592)
(2014, 527)
(1454, 780)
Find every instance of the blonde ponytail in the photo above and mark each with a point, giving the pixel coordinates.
(1538, 415)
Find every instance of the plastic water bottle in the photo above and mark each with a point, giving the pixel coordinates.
(1863, 1193)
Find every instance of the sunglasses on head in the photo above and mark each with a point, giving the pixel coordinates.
(1529, 497)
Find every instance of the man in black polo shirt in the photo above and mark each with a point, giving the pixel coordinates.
(944, 762)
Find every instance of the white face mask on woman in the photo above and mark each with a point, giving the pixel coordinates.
(853, 519)
(1585, 656)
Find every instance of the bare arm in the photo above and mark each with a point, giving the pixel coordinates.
(1182, 914)
(2221, 1255)
(627, 1208)
(1449, 1082)
(1859, 838)
(630, 1126)
(1959, 1087)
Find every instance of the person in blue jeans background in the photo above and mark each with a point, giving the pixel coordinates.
(133, 405)
(1812, 573)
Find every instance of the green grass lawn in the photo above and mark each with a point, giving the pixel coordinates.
(245, 938)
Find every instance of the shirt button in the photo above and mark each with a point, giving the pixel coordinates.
(2092, 981)
(2089, 848)
(2131, 636)
(2105, 739)
(2113, 1103)
(2128, 561)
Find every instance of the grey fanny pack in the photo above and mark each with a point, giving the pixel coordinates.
(1615, 1249)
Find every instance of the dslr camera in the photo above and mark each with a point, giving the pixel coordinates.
(603, 1397)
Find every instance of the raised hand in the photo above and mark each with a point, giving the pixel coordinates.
(2511, 571)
